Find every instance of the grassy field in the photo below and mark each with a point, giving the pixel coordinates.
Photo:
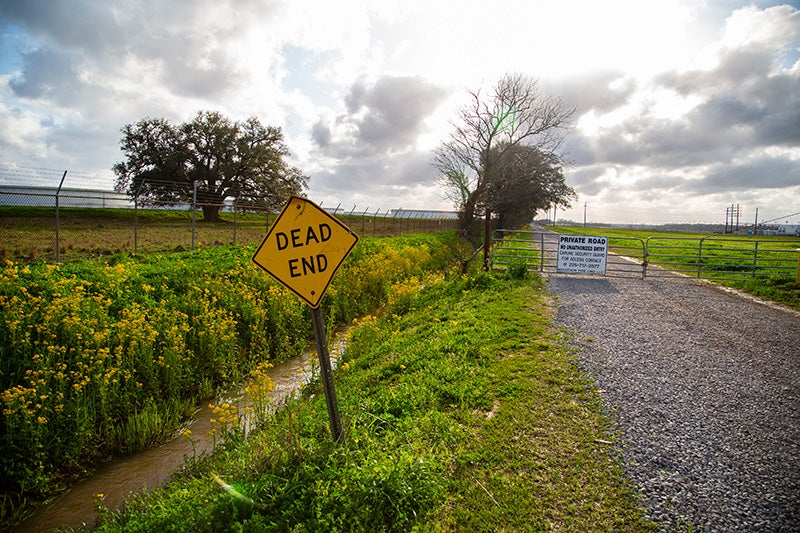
(28, 234)
(463, 411)
(463, 408)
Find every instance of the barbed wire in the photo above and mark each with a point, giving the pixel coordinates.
(21, 175)
(18, 182)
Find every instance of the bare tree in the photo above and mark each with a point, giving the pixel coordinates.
(515, 113)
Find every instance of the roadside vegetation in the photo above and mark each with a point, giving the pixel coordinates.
(463, 411)
(101, 358)
(728, 260)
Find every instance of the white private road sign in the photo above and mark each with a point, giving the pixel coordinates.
(582, 254)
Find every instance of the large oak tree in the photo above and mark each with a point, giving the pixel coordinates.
(211, 157)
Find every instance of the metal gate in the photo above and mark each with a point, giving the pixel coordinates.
(714, 258)
(722, 258)
(538, 251)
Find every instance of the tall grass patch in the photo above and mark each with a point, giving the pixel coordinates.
(103, 358)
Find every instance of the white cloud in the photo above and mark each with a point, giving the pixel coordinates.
(678, 100)
(21, 132)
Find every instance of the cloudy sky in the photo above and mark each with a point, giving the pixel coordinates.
(684, 107)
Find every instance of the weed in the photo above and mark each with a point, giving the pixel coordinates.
(450, 424)
(518, 270)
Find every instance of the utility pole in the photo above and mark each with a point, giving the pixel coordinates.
(755, 224)
(584, 214)
(738, 212)
(732, 214)
(727, 217)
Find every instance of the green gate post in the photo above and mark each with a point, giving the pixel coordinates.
(797, 278)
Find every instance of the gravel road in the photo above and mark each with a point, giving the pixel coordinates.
(704, 386)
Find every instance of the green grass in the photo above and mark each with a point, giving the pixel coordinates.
(463, 411)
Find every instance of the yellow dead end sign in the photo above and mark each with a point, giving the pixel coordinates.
(304, 248)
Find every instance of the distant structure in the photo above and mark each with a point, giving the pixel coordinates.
(423, 213)
(788, 229)
(20, 195)
(44, 196)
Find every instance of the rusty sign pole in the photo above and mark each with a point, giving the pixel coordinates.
(326, 372)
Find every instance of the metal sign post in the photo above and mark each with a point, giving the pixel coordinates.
(326, 372)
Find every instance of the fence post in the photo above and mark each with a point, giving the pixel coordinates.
(135, 224)
(487, 243)
(58, 221)
(236, 199)
(194, 205)
(541, 247)
(375, 223)
(700, 257)
(797, 279)
(755, 261)
(136, 217)
(363, 217)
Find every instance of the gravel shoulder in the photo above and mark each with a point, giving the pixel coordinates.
(704, 387)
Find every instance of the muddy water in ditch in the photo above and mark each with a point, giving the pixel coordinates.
(121, 478)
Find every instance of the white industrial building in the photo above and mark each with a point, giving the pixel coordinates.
(789, 229)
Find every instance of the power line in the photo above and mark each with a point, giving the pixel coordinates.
(779, 218)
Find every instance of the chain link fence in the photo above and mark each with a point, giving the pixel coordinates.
(58, 223)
